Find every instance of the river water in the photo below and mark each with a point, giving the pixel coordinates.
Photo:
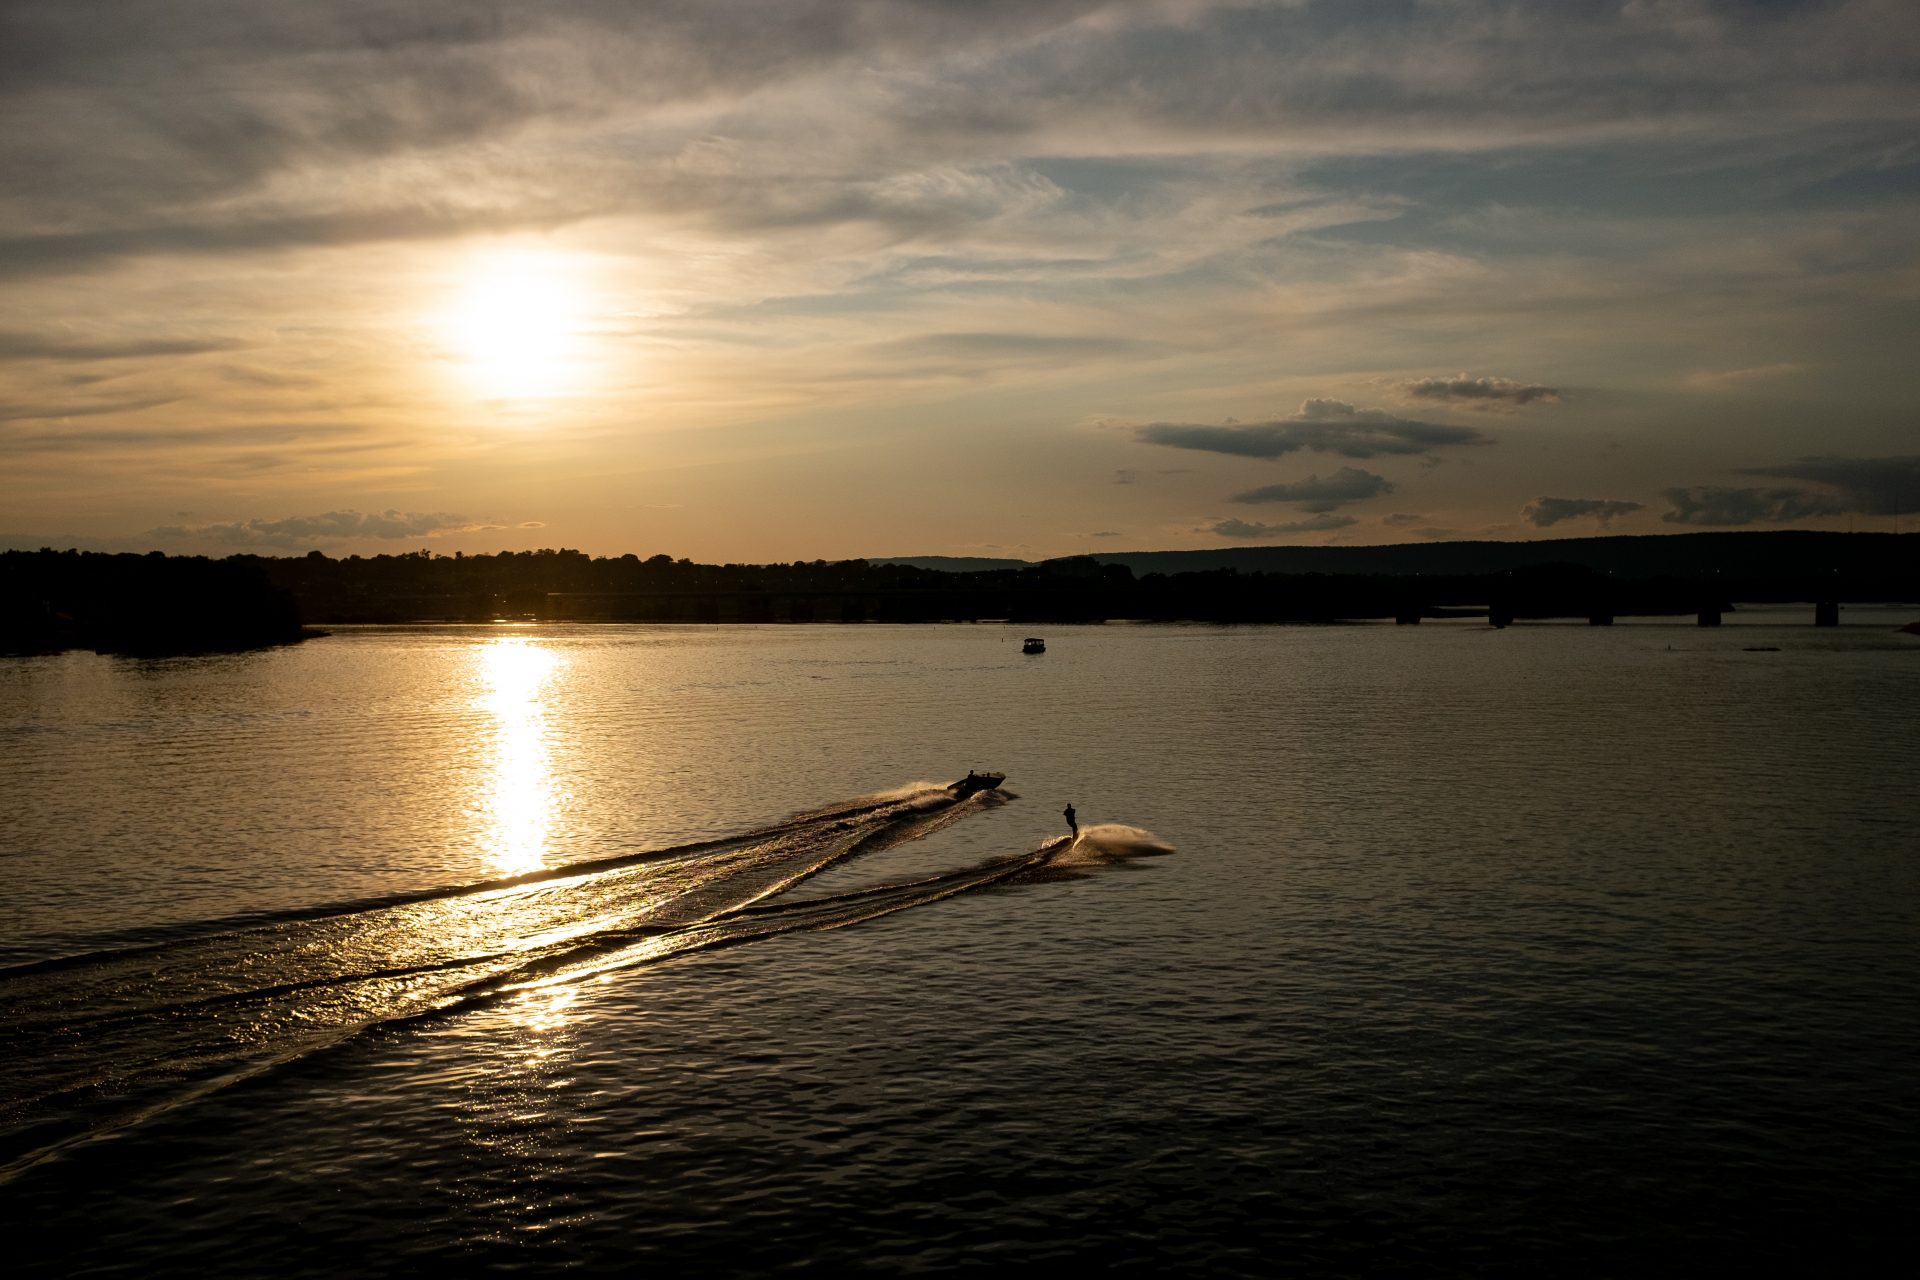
(1431, 949)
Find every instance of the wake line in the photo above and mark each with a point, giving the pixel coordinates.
(107, 1044)
(154, 937)
(109, 1041)
(751, 923)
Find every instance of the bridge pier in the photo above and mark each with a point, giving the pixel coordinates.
(1709, 617)
(1826, 613)
(1407, 616)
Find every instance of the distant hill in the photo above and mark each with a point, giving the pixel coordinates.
(1742, 554)
(957, 564)
(1748, 554)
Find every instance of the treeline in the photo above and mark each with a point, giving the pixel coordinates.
(155, 604)
(140, 605)
(565, 584)
(419, 585)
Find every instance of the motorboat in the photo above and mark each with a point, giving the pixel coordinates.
(1033, 644)
(974, 783)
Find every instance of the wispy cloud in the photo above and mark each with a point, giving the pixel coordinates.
(1729, 379)
(1348, 484)
(1482, 392)
(913, 231)
(1545, 512)
(78, 408)
(971, 348)
(1322, 426)
(1867, 486)
(1253, 529)
(1719, 505)
(1871, 486)
(18, 345)
(326, 528)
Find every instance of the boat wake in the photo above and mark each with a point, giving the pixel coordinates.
(106, 1039)
(1106, 844)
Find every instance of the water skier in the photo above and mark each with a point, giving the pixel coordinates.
(1072, 825)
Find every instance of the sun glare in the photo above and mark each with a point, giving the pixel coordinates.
(515, 325)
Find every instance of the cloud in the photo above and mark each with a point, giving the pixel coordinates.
(63, 541)
(1871, 486)
(721, 105)
(1250, 529)
(331, 526)
(1868, 486)
(53, 253)
(1126, 475)
(308, 435)
(1105, 533)
(1728, 379)
(1716, 505)
(67, 409)
(16, 345)
(1323, 426)
(1348, 484)
(1402, 518)
(1480, 185)
(976, 347)
(1543, 512)
(1484, 392)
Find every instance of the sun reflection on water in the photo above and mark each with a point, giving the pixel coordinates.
(541, 1013)
(520, 795)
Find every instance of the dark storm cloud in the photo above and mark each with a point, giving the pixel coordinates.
(1717, 505)
(1348, 484)
(1252, 529)
(305, 531)
(1870, 486)
(1323, 426)
(1543, 512)
(1495, 390)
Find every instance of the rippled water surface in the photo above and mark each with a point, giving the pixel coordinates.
(1547, 948)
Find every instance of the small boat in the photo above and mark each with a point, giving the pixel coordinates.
(1033, 644)
(976, 782)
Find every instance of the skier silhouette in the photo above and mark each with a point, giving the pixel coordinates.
(1068, 814)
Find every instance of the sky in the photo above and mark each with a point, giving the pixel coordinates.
(765, 280)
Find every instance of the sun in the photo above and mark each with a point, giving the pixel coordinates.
(515, 325)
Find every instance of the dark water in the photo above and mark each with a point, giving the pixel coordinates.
(1590, 950)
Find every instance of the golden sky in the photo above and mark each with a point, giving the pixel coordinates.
(766, 281)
